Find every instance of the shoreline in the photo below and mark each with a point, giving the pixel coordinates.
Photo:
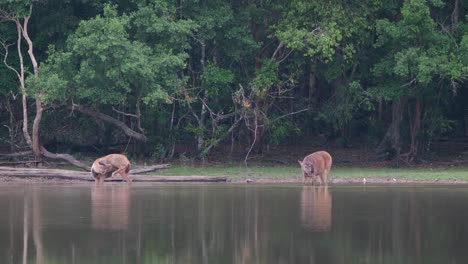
(335, 181)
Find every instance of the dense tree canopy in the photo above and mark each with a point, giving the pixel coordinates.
(163, 74)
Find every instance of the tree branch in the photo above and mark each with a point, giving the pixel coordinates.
(5, 58)
(128, 131)
(66, 157)
(123, 113)
(289, 114)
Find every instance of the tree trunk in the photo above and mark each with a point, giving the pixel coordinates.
(201, 125)
(312, 88)
(389, 147)
(415, 127)
(201, 120)
(37, 120)
(171, 152)
(20, 76)
(35, 130)
(11, 129)
(26, 135)
(259, 135)
(380, 109)
(138, 114)
(455, 15)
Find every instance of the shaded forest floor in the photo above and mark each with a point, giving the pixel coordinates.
(443, 153)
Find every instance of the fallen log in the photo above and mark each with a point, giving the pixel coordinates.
(68, 172)
(86, 176)
(17, 162)
(150, 168)
(17, 154)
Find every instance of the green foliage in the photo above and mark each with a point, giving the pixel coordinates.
(156, 23)
(346, 102)
(435, 124)
(18, 8)
(265, 77)
(336, 27)
(283, 129)
(159, 152)
(217, 79)
(337, 59)
(103, 65)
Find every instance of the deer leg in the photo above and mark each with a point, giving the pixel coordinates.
(122, 173)
(101, 180)
(324, 177)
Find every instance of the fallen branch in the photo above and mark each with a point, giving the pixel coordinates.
(17, 162)
(150, 168)
(17, 154)
(86, 176)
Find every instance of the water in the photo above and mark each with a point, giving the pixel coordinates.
(229, 223)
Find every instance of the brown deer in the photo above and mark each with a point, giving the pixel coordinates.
(317, 164)
(109, 166)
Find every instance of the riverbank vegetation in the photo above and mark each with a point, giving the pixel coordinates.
(280, 173)
(164, 80)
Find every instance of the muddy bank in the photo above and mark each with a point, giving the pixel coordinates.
(355, 181)
(337, 181)
(362, 181)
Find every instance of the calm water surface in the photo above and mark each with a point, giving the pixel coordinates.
(228, 223)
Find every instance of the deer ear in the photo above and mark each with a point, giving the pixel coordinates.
(103, 163)
(300, 162)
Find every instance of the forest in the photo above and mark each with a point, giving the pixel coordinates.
(164, 79)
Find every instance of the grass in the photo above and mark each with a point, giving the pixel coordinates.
(286, 172)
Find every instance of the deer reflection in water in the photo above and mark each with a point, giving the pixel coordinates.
(110, 206)
(316, 208)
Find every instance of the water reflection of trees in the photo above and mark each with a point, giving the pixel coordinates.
(20, 223)
(238, 225)
(69, 239)
(401, 225)
(229, 226)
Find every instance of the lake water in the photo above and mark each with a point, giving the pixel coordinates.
(230, 223)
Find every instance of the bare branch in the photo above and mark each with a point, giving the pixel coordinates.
(29, 41)
(277, 50)
(285, 57)
(5, 58)
(289, 114)
(409, 83)
(233, 126)
(6, 16)
(218, 115)
(254, 140)
(185, 93)
(128, 131)
(123, 113)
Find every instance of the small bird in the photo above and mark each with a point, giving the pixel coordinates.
(364, 180)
